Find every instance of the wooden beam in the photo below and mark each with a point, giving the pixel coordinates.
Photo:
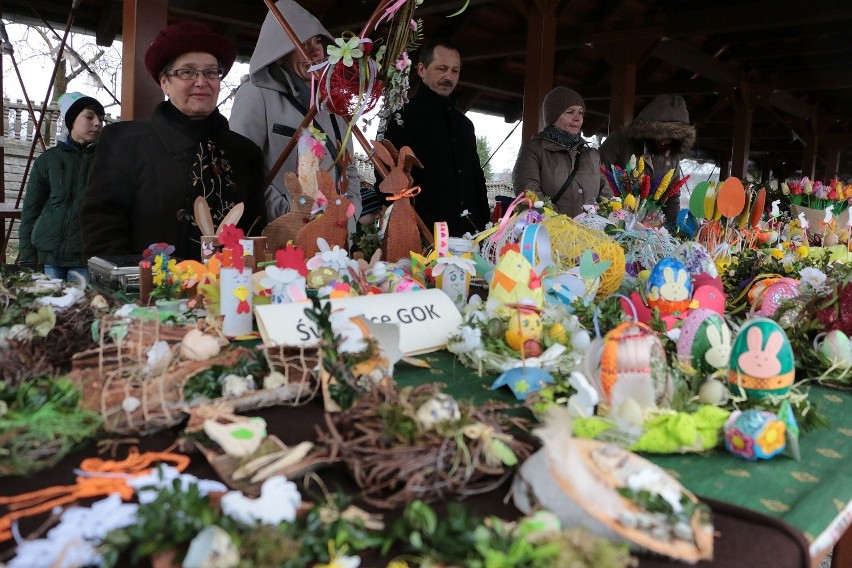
(707, 19)
(143, 20)
(724, 162)
(790, 104)
(541, 34)
(353, 17)
(109, 24)
(687, 57)
(500, 84)
(624, 53)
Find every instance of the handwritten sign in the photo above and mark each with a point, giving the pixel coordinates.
(425, 318)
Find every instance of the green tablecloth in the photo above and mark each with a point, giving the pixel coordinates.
(813, 495)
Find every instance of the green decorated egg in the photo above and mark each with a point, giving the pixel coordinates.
(762, 360)
(837, 347)
(705, 341)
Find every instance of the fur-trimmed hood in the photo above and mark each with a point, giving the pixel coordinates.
(665, 118)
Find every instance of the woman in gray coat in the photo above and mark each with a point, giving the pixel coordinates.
(270, 107)
(556, 163)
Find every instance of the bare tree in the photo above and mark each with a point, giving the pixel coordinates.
(36, 48)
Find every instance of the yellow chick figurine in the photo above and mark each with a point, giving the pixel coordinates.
(525, 329)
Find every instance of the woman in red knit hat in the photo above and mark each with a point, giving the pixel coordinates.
(147, 174)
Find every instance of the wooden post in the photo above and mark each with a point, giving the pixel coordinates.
(143, 20)
(724, 163)
(625, 54)
(832, 163)
(809, 153)
(541, 40)
(745, 100)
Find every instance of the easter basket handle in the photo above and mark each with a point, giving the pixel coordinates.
(597, 309)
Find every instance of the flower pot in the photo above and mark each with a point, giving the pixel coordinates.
(816, 216)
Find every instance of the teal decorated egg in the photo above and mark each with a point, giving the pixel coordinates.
(705, 341)
(669, 287)
(762, 360)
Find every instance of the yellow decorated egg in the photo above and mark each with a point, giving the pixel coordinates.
(524, 326)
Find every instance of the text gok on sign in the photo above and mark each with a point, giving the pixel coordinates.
(426, 318)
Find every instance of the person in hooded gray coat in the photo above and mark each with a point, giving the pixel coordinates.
(662, 135)
(270, 106)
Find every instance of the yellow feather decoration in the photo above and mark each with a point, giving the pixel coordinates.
(664, 185)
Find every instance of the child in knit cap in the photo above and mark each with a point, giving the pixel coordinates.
(50, 219)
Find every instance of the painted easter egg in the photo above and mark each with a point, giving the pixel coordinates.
(696, 259)
(770, 300)
(669, 287)
(632, 353)
(321, 276)
(762, 360)
(837, 347)
(755, 434)
(705, 341)
(406, 284)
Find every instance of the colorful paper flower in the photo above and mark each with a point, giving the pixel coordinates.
(346, 50)
(772, 438)
(739, 444)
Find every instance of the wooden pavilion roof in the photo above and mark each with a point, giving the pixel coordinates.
(784, 65)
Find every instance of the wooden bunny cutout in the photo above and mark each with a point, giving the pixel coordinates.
(332, 225)
(285, 228)
(402, 235)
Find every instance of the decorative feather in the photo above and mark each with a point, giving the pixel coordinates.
(675, 189)
(664, 184)
(646, 187)
(611, 180)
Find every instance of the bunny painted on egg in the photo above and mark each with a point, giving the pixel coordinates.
(705, 341)
(762, 360)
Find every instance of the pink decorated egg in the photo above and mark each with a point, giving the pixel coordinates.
(770, 300)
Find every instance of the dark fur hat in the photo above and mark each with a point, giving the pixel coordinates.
(187, 37)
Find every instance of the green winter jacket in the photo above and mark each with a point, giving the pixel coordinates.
(50, 219)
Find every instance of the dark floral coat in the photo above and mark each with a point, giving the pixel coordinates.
(146, 176)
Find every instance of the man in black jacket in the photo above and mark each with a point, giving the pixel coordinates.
(443, 139)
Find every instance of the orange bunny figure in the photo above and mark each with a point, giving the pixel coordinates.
(401, 233)
(285, 228)
(332, 225)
